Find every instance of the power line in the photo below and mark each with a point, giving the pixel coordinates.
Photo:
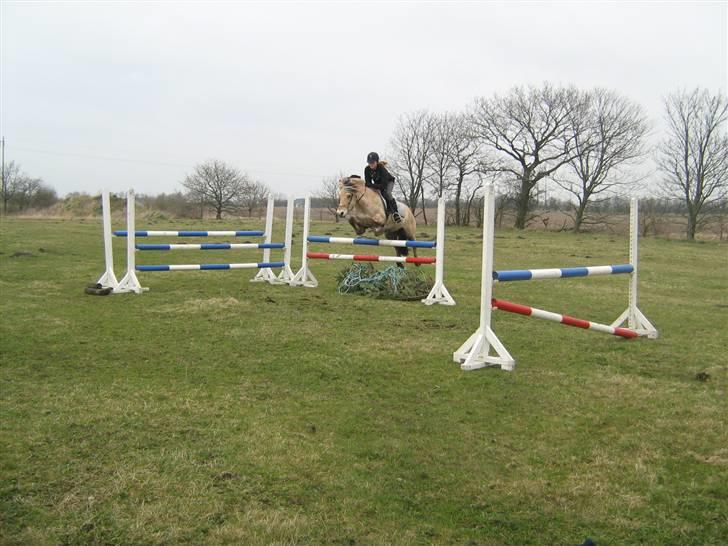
(151, 162)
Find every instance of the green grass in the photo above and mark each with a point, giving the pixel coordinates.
(214, 411)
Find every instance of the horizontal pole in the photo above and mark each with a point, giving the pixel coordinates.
(123, 233)
(210, 246)
(361, 258)
(563, 319)
(561, 273)
(372, 242)
(208, 267)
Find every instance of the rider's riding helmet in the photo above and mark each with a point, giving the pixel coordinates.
(373, 156)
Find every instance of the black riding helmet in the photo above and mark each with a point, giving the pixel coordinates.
(373, 156)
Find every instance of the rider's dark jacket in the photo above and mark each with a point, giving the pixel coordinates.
(377, 178)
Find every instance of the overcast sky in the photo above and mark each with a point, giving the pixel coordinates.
(121, 95)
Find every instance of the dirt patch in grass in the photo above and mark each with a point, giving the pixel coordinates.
(197, 305)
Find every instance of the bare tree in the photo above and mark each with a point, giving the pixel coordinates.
(439, 161)
(411, 147)
(328, 194)
(23, 191)
(253, 196)
(470, 190)
(694, 154)
(467, 160)
(26, 190)
(528, 127)
(13, 178)
(608, 133)
(216, 185)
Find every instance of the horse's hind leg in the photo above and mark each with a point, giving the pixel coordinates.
(398, 235)
(410, 234)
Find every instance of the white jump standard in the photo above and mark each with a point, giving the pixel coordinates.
(130, 282)
(108, 279)
(438, 294)
(475, 353)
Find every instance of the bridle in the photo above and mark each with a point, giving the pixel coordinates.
(352, 202)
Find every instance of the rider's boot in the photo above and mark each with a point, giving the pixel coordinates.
(393, 212)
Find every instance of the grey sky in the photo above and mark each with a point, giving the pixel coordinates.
(291, 93)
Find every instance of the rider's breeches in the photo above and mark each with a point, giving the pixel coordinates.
(387, 194)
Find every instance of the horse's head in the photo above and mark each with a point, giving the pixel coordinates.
(349, 187)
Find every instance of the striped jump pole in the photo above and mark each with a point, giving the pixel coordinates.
(193, 233)
(209, 267)
(563, 319)
(365, 258)
(211, 246)
(370, 242)
(562, 273)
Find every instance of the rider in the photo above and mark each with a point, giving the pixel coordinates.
(377, 176)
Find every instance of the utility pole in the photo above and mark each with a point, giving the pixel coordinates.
(5, 188)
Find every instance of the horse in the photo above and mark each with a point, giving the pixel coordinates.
(366, 210)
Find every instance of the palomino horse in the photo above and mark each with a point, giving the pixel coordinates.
(366, 210)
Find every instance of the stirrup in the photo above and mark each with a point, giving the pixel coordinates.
(396, 217)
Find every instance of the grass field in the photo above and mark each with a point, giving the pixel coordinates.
(214, 411)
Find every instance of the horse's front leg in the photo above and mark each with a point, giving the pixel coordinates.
(358, 228)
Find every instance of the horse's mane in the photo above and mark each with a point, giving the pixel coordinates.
(351, 183)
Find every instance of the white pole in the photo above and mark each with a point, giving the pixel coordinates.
(440, 251)
(475, 352)
(130, 283)
(635, 319)
(286, 274)
(440, 294)
(304, 277)
(634, 234)
(108, 279)
(131, 232)
(268, 227)
(266, 274)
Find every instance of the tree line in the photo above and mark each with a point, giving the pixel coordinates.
(21, 192)
(591, 144)
(211, 186)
